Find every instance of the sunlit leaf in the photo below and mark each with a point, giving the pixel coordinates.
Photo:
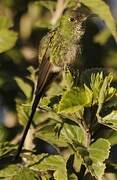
(96, 83)
(5, 22)
(67, 79)
(77, 162)
(49, 134)
(109, 120)
(72, 133)
(113, 137)
(18, 172)
(50, 5)
(98, 152)
(74, 100)
(100, 8)
(106, 92)
(23, 111)
(9, 170)
(3, 133)
(72, 176)
(52, 162)
(7, 39)
(102, 37)
(6, 148)
(24, 107)
(24, 86)
(72, 4)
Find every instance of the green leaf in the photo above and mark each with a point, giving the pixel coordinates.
(44, 102)
(67, 79)
(94, 156)
(72, 4)
(96, 83)
(50, 5)
(98, 153)
(9, 170)
(104, 89)
(72, 133)
(112, 138)
(91, 75)
(34, 159)
(94, 79)
(89, 95)
(106, 92)
(72, 176)
(3, 133)
(102, 37)
(52, 162)
(77, 162)
(74, 100)
(109, 120)
(49, 134)
(23, 110)
(60, 173)
(112, 102)
(100, 8)
(7, 39)
(54, 90)
(6, 148)
(5, 22)
(26, 174)
(18, 172)
(24, 86)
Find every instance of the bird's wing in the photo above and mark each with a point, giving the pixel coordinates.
(44, 72)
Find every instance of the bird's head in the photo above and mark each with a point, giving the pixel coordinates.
(74, 17)
(72, 22)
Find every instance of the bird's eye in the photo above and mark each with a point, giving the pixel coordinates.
(71, 19)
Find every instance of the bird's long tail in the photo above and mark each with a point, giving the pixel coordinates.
(44, 72)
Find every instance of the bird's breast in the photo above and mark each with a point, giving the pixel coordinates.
(64, 53)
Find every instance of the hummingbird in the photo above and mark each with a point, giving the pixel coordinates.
(59, 48)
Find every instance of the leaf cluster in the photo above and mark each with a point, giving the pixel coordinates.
(70, 122)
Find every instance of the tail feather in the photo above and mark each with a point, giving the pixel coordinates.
(45, 69)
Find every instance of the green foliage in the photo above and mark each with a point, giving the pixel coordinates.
(7, 39)
(5, 22)
(18, 172)
(100, 8)
(102, 37)
(6, 148)
(74, 100)
(109, 120)
(53, 163)
(25, 87)
(50, 5)
(98, 152)
(76, 120)
(68, 124)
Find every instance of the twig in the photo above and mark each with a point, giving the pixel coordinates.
(61, 4)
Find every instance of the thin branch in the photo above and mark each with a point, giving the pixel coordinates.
(61, 5)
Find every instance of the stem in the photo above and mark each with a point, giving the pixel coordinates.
(87, 134)
(61, 4)
(86, 130)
